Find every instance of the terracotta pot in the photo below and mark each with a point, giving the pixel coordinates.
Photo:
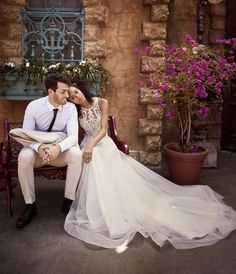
(184, 168)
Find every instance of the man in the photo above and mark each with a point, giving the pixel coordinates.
(40, 115)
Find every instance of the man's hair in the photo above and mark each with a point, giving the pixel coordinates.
(52, 80)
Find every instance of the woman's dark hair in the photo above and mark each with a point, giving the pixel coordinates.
(52, 80)
(83, 87)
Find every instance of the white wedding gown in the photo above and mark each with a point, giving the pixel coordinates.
(117, 197)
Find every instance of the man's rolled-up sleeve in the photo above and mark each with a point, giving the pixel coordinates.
(72, 130)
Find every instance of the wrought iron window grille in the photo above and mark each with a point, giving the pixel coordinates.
(52, 35)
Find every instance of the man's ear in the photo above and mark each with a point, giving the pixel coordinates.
(50, 91)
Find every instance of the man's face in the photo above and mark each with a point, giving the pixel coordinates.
(60, 96)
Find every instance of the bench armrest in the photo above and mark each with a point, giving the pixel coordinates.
(112, 132)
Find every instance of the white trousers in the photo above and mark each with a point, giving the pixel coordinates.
(28, 159)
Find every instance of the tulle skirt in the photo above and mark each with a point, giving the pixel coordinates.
(118, 197)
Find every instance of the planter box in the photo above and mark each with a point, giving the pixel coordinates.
(16, 89)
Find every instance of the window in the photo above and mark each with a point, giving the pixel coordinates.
(52, 31)
(59, 4)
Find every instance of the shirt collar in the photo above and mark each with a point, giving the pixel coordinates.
(50, 106)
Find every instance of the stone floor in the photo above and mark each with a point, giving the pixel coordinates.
(44, 248)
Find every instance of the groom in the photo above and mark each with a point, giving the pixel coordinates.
(50, 113)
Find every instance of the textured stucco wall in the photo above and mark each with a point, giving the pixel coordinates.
(122, 35)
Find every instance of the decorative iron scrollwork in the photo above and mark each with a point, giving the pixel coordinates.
(52, 35)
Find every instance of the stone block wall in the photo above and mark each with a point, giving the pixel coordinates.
(154, 32)
(96, 17)
(10, 50)
(112, 30)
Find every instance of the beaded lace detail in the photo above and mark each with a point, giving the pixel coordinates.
(90, 119)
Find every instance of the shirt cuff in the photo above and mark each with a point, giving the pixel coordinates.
(63, 148)
(35, 146)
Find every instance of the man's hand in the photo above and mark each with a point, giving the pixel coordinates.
(52, 151)
(43, 153)
(49, 152)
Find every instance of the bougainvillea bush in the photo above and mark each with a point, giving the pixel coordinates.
(192, 77)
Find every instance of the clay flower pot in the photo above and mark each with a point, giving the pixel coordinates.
(185, 168)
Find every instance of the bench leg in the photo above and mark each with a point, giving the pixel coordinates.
(9, 193)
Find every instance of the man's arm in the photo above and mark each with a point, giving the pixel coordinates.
(72, 130)
(53, 150)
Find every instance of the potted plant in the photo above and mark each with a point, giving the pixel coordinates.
(192, 78)
(25, 81)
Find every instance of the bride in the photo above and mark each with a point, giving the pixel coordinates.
(118, 197)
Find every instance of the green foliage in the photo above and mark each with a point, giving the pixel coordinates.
(35, 73)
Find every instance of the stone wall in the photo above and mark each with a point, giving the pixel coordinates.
(113, 34)
(154, 31)
(112, 30)
(10, 50)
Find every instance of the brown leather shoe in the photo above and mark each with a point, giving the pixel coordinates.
(66, 204)
(28, 213)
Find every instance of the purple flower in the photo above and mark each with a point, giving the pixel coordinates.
(201, 91)
(170, 114)
(191, 77)
(233, 41)
(160, 102)
(149, 83)
(138, 51)
(223, 41)
(203, 112)
(149, 49)
(211, 79)
(163, 87)
(190, 41)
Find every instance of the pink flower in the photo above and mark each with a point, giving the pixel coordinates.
(170, 114)
(189, 40)
(191, 78)
(203, 112)
(138, 51)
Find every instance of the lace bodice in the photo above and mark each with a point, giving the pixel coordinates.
(90, 119)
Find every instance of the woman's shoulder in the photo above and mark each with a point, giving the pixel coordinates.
(101, 101)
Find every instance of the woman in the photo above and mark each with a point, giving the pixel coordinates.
(117, 196)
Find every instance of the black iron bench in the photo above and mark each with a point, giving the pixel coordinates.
(11, 149)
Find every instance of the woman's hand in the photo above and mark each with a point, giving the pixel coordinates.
(87, 154)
